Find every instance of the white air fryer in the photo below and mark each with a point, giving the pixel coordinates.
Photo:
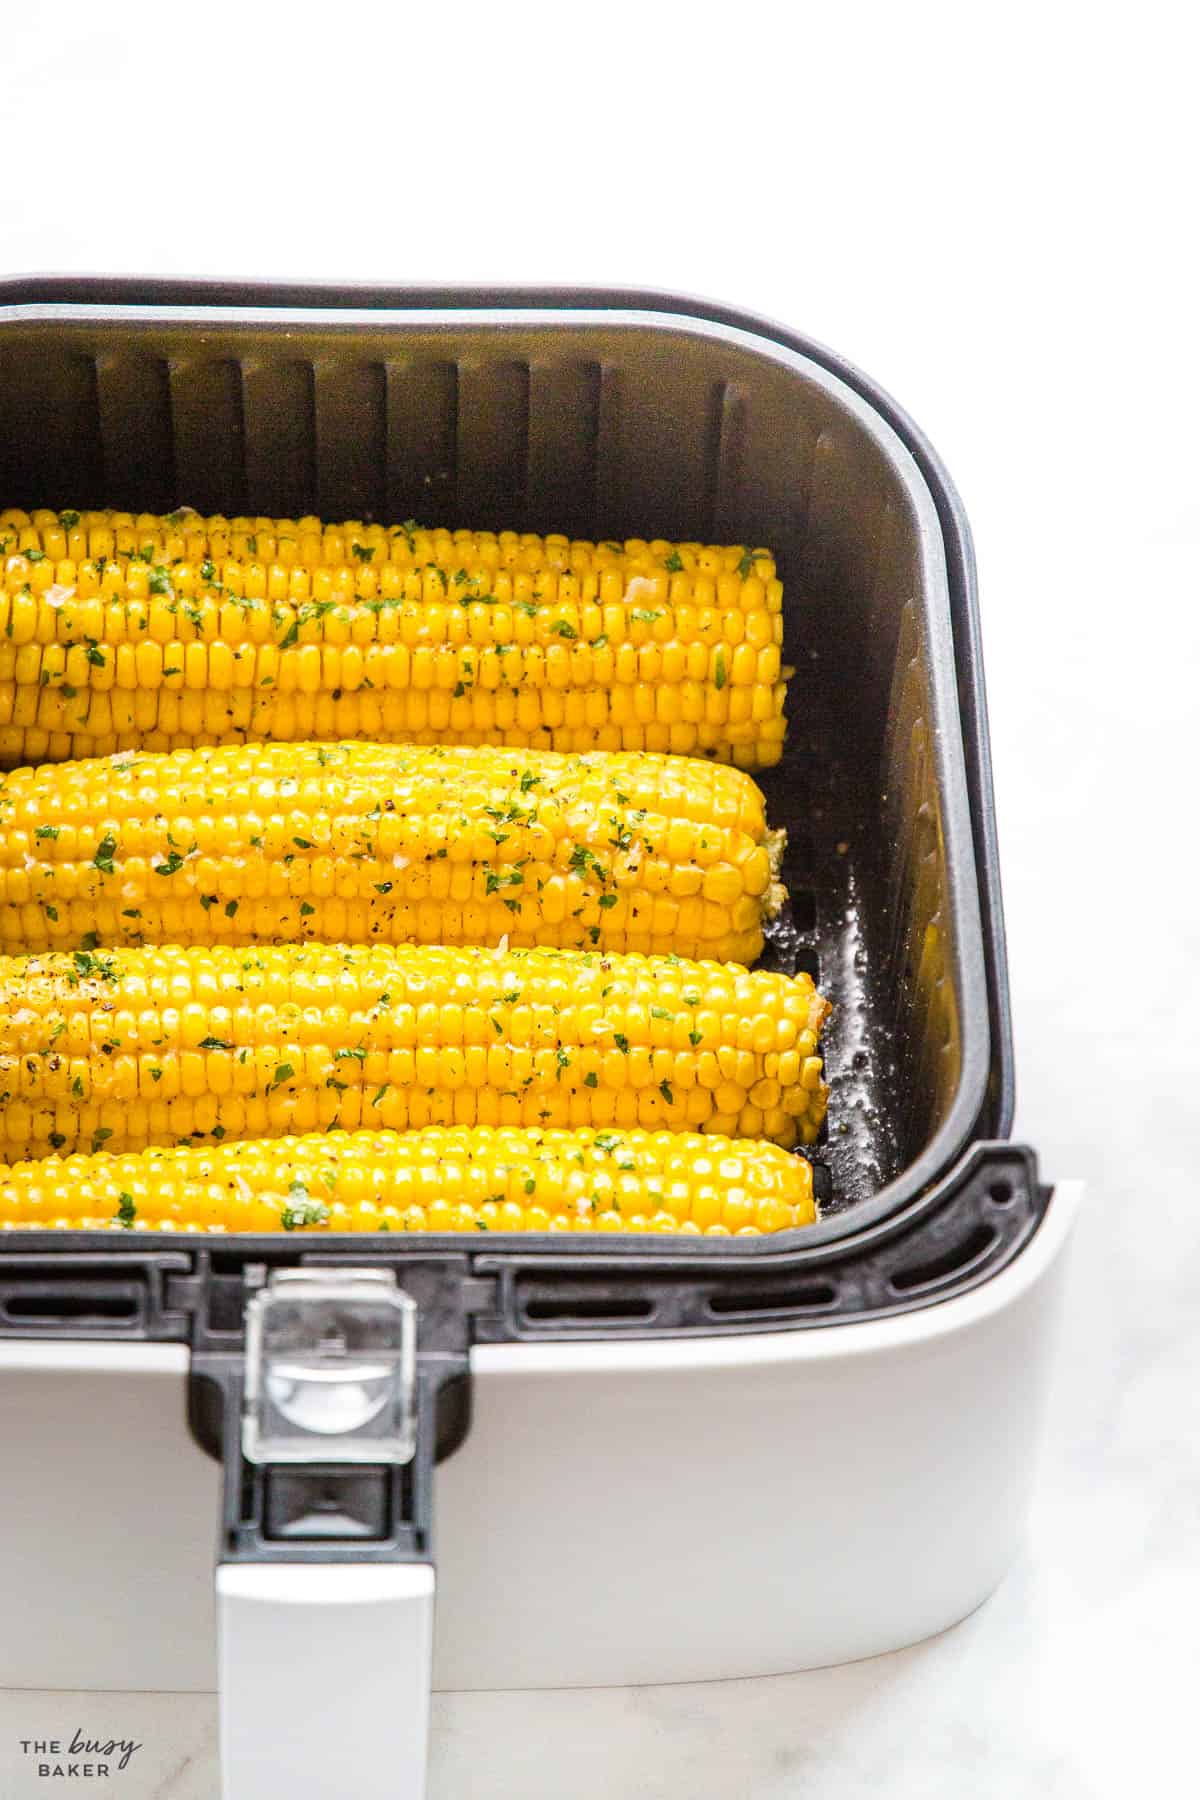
(342, 1469)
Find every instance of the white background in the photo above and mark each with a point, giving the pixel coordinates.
(993, 212)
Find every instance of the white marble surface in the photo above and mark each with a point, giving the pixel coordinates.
(987, 211)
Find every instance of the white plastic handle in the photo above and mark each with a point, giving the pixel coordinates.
(324, 1679)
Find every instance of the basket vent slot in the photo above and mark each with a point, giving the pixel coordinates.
(803, 1296)
(583, 1309)
(969, 1250)
(80, 1309)
(808, 962)
(804, 909)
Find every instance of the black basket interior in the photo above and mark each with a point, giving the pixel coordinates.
(597, 424)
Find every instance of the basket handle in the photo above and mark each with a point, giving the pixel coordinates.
(324, 1679)
(327, 1426)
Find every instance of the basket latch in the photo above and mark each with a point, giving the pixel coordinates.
(325, 1579)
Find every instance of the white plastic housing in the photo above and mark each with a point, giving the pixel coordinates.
(620, 1513)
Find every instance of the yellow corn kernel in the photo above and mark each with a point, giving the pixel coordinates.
(632, 647)
(437, 1179)
(611, 850)
(266, 1040)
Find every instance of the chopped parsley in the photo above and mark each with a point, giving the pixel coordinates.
(98, 967)
(583, 859)
(126, 1212)
(301, 1210)
(103, 859)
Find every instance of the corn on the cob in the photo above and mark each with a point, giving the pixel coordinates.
(362, 842)
(460, 1179)
(124, 1048)
(160, 633)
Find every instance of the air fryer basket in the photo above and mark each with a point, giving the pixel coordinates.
(604, 415)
